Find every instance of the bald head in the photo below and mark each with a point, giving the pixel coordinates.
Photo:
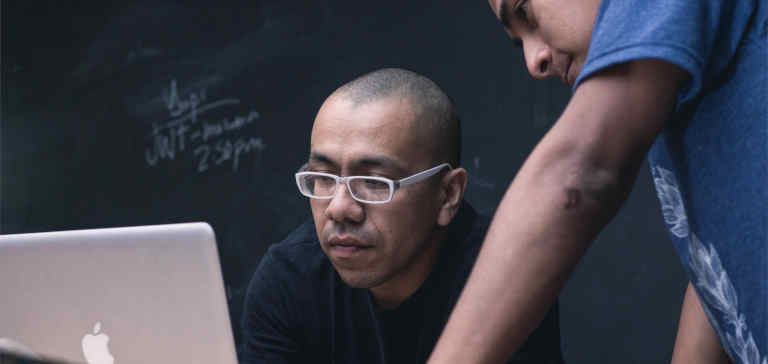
(435, 115)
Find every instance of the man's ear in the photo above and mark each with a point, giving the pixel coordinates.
(452, 186)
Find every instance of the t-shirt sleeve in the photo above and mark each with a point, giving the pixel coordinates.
(268, 323)
(698, 36)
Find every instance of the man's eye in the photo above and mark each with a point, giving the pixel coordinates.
(372, 183)
(521, 11)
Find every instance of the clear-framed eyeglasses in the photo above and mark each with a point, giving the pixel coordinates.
(365, 189)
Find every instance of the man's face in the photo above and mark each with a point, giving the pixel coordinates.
(554, 34)
(373, 244)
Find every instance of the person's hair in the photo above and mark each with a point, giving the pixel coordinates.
(434, 110)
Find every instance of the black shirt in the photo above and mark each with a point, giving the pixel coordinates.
(298, 310)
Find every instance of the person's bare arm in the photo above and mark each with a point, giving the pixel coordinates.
(696, 339)
(570, 186)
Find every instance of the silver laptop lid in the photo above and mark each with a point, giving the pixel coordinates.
(148, 294)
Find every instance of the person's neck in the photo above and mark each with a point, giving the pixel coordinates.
(390, 294)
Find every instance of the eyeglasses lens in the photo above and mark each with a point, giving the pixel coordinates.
(320, 186)
(369, 189)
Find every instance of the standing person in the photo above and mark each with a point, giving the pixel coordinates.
(681, 82)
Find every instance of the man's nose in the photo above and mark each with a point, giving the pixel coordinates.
(538, 58)
(343, 207)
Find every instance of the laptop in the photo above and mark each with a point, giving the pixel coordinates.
(147, 294)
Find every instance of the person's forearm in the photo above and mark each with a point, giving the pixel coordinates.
(540, 231)
(696, 339)
(568, 189)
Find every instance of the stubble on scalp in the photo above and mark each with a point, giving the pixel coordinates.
(435, 113)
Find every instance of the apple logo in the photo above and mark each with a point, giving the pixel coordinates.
(95, 347)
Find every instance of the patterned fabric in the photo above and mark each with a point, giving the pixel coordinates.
(710, 163)
(711, 280)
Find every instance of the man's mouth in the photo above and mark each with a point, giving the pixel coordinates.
(346, 247)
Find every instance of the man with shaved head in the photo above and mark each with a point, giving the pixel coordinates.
(374, 276)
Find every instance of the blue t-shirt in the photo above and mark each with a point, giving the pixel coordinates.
(710, 163)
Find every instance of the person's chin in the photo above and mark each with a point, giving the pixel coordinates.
(358, 279)
(574, 70)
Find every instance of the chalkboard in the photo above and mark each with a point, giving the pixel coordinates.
(148, 112)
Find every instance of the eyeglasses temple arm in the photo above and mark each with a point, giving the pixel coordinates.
(421, 175)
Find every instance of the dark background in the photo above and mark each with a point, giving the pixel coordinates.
(91, 91)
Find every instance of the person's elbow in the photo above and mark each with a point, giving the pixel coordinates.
(587, 184)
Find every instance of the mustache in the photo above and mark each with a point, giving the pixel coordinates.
(347, 231)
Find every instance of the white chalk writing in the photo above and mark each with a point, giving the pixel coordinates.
(211, 142)
(226, 150)
(479, 181)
